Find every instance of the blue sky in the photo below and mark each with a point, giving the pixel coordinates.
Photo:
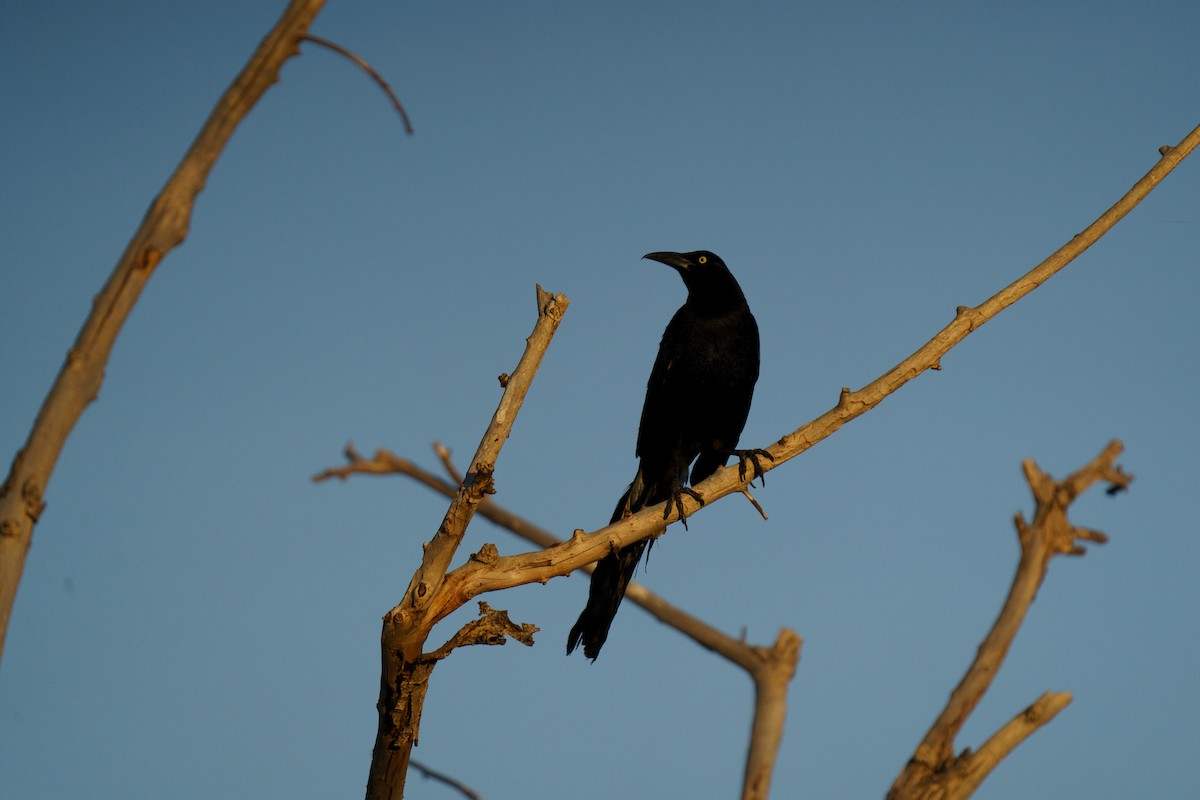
(198, 619)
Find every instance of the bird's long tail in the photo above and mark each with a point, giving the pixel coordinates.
(609, 581)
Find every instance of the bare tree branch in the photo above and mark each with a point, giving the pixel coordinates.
(475, 578)
(435, 593)
(367, 68)
(1015, 731)
(446, 779)
(384, 462)
(405, 670)
(493, 627)
(426, 583)
(771, 675)
(934, 771)
(446, 457)
(771, 668)
(163, 228)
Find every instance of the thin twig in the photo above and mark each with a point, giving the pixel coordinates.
(467, 791)
(367, 68)
(753, 502)
(447, 459)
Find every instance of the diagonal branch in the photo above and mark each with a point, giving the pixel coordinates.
(425, 587)
(475, 578)
(435, 593)
(163, 228)
(433, 774)
(384, 462)
(853, 404)
(1015, 731)
(934, 771)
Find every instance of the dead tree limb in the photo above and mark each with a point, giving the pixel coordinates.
(934, 771)
(771, 668)
(164, 227)
(772, 673)
(476, 577)
(384, 462)
(487, 571)
(367, 68)
(441, 777)
(406, 668)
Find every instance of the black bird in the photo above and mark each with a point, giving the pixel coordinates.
(697, 400)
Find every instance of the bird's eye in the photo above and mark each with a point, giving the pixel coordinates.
(702, 260)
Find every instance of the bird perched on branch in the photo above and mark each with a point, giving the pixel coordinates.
(697, 400)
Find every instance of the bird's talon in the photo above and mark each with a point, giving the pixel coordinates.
(752, 456)
(676, 503)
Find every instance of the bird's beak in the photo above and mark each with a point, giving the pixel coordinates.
(675, 260)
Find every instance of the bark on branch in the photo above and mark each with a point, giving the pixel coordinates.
(771, 668)
(164, 227)
(384, 462)
(934, 771)
(495, 572)
(405, 668)
(475, 577)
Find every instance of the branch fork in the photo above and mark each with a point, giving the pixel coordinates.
(430, 596)
(934, 771)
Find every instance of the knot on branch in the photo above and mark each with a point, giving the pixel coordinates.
(480, 482)
(487, 554)
(31, 495)
(493, 628)
(972, 315)
(150, 259)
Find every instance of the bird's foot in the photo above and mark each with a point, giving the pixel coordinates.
(752, 456)
(676, 502)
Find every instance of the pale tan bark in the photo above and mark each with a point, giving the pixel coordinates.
(487, 571)
(934, 772)
(164, 227)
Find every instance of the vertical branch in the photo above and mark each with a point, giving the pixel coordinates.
(771, 675)
(423, 596)
(405, 668)
(164, 227)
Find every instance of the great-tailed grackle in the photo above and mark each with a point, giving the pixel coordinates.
(697, 400)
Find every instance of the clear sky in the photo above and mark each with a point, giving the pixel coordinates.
(198, 620)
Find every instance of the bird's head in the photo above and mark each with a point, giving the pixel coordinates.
(704, 273)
